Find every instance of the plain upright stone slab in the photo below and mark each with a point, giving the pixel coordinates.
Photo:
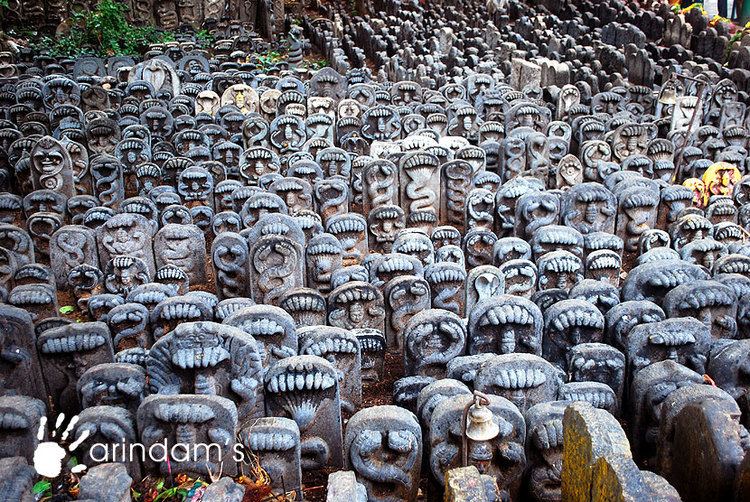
(224, 490)
(106, 483)
(742, 482)
(343, 487)
(524, 73)
(616, 478)
(589, 433)
(466, 484)
(660, 488)
(707, 451)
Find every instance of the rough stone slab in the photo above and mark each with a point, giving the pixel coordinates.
(465, 484)
(616, 478)
(224, 490)
(106, 483)
(524, 73)
(707, 451)
(589, 434)
(343, 487)
(660, 488)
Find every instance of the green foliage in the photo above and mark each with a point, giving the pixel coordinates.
(4, 3)
(103, 31)
(43, 487)
(317, 64)
(204, 38)
(269, 59)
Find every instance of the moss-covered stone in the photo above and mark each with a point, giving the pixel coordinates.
(589, 434)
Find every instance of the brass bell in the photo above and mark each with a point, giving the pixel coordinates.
(668, 98)
(480, 426)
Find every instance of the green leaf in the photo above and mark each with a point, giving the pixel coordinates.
(41, 486)
(67, 309)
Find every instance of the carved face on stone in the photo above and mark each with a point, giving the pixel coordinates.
(384, 223)
(256, 162)
(500, 376)
(204, 419)
(544, 445)
(502, 457)
(356, 305)
(604, 265)
(126, 234)
(52, 166)
(272, 327)
(312, 400)
(296, 193)
(124, 273)
(384, 450)
(712, 303)
(629, 139)
(559, 269)
(65, 354)
(288, 133)
(21, 416)
(589, 207)
(381, 123)
(324, 255)
(61, 91)
(637, 213)
(431, 339)
(720, 178)
(276, 442)
(684, 340)
(505, 324)
(113, 384)
(568, 323)
(196, 357)
(102, 135)
(351, 231)
(242, 96)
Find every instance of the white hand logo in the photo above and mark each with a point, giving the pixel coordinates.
(49, 455)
